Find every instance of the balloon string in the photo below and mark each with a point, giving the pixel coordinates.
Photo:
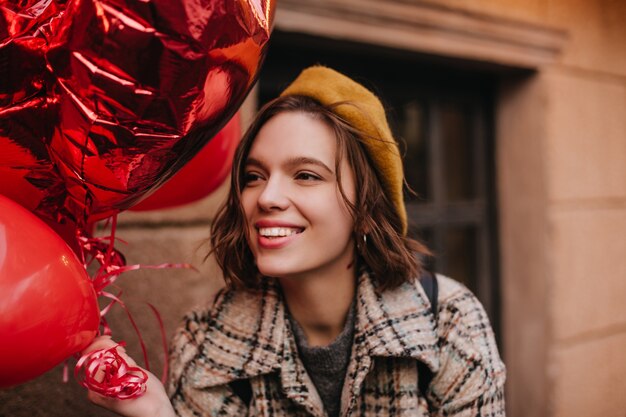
(107, 330)
(132, 322)
(111, 264)
(166, 361)
(66, 371)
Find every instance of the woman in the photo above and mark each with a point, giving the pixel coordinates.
(323, 312)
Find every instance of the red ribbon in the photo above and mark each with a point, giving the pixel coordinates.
(107, 373)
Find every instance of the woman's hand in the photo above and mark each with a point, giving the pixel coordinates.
(154, 401)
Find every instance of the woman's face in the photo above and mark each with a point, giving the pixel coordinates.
(299, 224)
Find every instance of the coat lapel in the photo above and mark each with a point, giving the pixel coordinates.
(397, 322)
(393, 323)
(296, 383)
(248, 335)
(244, 338)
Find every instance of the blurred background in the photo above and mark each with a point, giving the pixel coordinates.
(512, 118)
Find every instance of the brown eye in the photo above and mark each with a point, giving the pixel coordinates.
(307, 176)
(250, 177)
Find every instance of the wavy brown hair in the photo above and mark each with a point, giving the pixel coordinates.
(391, 257)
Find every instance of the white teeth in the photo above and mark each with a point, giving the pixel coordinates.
(277, 231)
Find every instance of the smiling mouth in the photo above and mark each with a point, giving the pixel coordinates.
(278, 232)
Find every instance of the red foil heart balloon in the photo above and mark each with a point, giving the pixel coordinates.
(106, 99)
(48, 307)
(202, 175)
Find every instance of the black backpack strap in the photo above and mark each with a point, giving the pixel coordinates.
(243, 389)
(431, 288)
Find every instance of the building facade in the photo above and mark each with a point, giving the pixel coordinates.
(513, 116)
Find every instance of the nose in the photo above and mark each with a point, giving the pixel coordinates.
(274, 195)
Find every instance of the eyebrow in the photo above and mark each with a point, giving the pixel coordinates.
(292, 162)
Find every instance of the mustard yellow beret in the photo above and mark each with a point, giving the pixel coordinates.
(365, 113)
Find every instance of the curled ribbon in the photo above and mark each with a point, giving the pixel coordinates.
(106, 372)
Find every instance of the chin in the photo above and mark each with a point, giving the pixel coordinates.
(276, 269)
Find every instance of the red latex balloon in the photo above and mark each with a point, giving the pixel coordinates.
(48, 307)
(200, 176)
(103, 100)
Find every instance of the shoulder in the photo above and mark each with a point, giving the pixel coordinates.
(239, 336)
(226, 303)
(470, 365)
(190, 335)
(232, 317)
(461, 314)
(238, 307)
(455, 299)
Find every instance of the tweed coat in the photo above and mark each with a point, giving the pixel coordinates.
(247, 335)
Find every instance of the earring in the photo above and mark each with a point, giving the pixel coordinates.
(361, 245)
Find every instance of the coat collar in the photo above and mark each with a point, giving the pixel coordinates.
(396, 323)
(248, 333)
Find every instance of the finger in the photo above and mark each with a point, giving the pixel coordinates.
(105, 342)
(100, 342)
(97, 399)
(122, 352)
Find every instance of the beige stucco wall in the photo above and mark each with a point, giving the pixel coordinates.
(561, 157)
(596, 28)
(562, 167)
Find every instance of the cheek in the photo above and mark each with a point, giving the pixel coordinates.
(342, 204)
(339, 217)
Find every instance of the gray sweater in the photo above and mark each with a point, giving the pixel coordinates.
(327, 365)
